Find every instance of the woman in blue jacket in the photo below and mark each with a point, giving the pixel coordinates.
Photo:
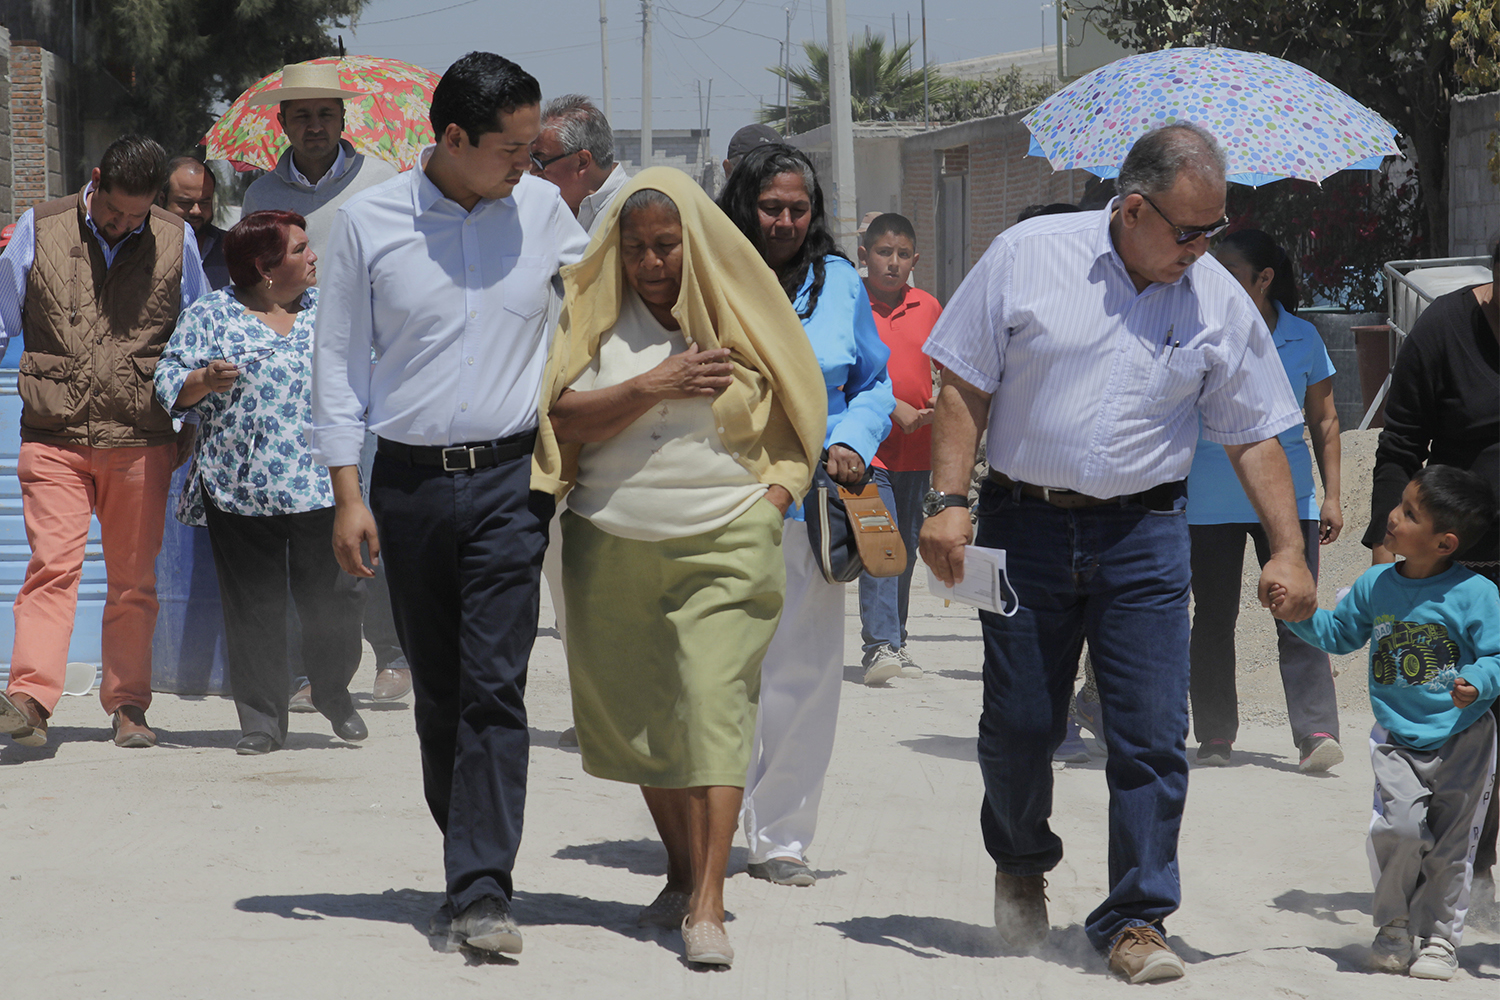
(1220, 517)
(774, 198)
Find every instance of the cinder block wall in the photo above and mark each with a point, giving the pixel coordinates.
(1003, 180)
(1473, 195)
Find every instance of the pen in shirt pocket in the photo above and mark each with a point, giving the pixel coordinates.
(1170, 345)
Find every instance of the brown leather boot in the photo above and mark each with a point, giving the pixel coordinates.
(24, 719)
(130, 728)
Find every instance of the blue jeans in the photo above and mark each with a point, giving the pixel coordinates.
(1116, 575)
(883, 600)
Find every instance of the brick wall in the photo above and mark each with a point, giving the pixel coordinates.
(28, 117)
(7, 208)
(1003, 180)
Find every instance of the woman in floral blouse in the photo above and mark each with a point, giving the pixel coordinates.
(241, 359)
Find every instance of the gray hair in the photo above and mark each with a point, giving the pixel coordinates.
(644, 198)
(1162, 155)
(580, 125)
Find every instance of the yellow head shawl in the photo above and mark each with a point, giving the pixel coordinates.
(774, 415)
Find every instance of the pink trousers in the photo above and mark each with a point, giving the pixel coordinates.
(61, 485)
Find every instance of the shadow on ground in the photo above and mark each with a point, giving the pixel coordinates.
(951, 747)
(647, 857)
(1326, 905)
(166, 739)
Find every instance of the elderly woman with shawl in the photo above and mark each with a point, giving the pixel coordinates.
(684, 410)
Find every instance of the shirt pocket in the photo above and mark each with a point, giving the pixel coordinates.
(1175, 376)
(524, 284)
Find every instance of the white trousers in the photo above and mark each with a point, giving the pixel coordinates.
(799, 707)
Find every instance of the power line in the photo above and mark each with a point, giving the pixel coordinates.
(407, 17)
(716, 24)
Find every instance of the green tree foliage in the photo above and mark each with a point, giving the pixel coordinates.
(1002, 94)
(1400, 57)
(175, 59)
(882, 83)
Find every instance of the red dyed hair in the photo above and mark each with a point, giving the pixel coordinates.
(258, 241)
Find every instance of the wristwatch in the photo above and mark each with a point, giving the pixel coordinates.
(934, 502)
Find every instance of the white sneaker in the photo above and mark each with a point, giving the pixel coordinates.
(1438, 959)
(1391, 949)
(909, 668)
(881, 664)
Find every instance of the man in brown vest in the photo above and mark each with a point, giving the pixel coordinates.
(94, 284)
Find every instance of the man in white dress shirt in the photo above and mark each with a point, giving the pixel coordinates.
(445, 272)
(1091, 345)
(576, 151)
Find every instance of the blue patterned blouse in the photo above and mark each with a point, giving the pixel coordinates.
(250, 453)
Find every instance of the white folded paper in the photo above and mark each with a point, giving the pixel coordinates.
(985, 584)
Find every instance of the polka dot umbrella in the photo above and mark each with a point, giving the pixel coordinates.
(391, 124)
(1274, 118)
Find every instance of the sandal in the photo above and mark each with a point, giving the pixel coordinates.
(707, 944)
(667, 910)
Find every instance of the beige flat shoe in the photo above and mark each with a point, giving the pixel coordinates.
(707, 944)
(667, 910)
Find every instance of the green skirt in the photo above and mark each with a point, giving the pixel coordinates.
(664, 647)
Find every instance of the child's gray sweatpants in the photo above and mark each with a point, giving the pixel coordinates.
(1429, 806)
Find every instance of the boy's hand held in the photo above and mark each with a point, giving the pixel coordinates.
(1464, 693)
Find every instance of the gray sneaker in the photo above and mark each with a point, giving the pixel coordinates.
(486, 925)
(782, 871)
(881, 664)
(1391, 949)
(1438, 959)
(909, 668)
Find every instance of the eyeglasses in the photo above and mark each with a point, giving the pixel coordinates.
(1186, 236)
(244, 359)
(541, 164)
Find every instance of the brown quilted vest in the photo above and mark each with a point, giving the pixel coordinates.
(93, 334)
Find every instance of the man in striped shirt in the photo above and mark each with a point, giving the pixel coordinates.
(1090, 345)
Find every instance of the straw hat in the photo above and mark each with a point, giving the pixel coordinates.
(301, 81)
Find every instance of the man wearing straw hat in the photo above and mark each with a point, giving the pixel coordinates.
(321, 171)
(313, 178)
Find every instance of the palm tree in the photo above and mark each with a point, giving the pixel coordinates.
(882, 85)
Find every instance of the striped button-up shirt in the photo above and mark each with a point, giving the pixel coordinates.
(20, 257)
(453, 303)
(1097, 387)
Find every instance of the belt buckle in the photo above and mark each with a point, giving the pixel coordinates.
(466, 462)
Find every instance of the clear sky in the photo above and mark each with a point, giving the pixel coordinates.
(729, 41)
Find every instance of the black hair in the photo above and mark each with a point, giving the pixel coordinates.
(890, 222)
(133, 165)
(1260, 251)
(1457, 501)
(477, 90)
(1056, 208)
(740, 200)
(1495, 252)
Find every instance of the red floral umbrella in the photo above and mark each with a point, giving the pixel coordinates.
(390, 124)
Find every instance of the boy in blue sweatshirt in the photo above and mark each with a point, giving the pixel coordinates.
(1434, 670)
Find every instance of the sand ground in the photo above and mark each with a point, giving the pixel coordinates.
(189, 872)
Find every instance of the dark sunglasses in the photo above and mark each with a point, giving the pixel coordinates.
(246, 358)
(1186, 236)
(541, 164)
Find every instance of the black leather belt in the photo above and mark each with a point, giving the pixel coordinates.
(460, 457)
(1160, 497)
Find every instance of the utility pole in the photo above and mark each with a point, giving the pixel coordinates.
(604, 52)
(786, 73)
(926, 107)
(646, 83)
(841, 122)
